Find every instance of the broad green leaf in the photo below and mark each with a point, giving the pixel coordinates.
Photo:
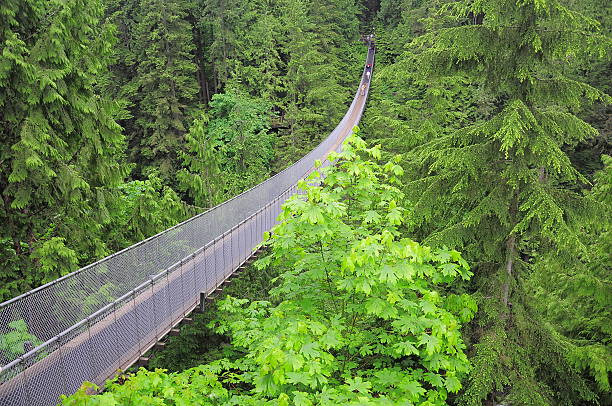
(357, 384)
(432, 343)
(452, 384)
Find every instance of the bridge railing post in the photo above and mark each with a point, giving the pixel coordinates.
(242, 236)
(193, 270)
(252, 232)
(247, 238)
(155, 319)
(64, 376)
(170, 313)
(235, 241)
(135, 313)
(245, 241)
(220, 270)
(269, 216)
(258, 226)
(90, 347)
(210, 271)
(183, 298)
(236, 248)
(116, 334)
(277, 203)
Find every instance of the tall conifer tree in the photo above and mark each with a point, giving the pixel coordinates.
(228, 20)
(313, 98)
(60, 143)
(166, 82)
(260, 70)
(504, 189)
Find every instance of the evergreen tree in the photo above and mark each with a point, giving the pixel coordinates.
(120, 75)
(166, 83)
(200, 176)
(260, 69)
(60, 143)
(404, 108)
(143, 209)
(313, 96)
(503, 188)
(596, 72)
(228, 20)
(575, 294)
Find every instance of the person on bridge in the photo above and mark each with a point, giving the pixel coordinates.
(363, 89)
(368, 73)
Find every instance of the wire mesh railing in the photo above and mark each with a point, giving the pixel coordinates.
(103, 317)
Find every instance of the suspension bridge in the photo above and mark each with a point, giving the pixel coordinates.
(104, 317)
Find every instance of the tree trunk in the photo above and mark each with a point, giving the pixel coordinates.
(510, 255)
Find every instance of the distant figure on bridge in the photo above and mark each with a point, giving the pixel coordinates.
(368, 73)
(368, 39)
(363, 89)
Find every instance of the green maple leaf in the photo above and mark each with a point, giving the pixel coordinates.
(434, 379)
(406, 324)
(371, 217)
(431, 343)
(331, 339)
(406, 348)
(299, 378)
(313, 214)
(414, 388)
(359, 385)
(363, 285)
(310, 350)
(449, 269)
(301, 399)
(387, 274)
(405, 270)
(107, 399)
(388, 377)
(395, 217)
(374, 305)
(428, 307)
(452, 384)
(295, 360)
(444, 256)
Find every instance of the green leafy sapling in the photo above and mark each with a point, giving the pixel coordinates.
(361, 316)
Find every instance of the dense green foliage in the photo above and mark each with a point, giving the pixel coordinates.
(298, 57)
(61, 148)
(11, 343)
(234, 140)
